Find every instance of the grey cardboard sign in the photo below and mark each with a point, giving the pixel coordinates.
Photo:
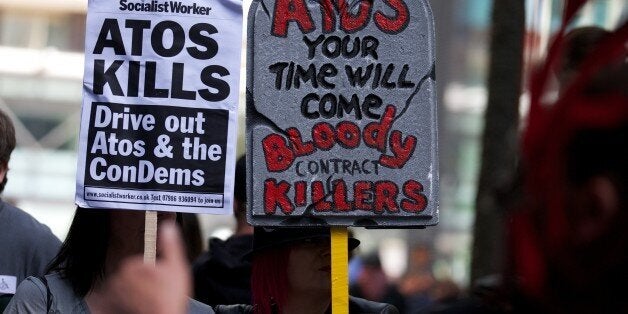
(341, 113)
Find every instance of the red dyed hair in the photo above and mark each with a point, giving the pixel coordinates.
(269, 280)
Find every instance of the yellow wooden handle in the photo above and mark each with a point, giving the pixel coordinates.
(339, 271)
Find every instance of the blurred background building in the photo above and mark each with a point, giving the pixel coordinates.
(41, 68)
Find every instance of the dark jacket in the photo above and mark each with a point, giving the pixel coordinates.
(221, 276)
(356, 306)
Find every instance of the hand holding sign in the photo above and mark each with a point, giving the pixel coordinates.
(138, 287)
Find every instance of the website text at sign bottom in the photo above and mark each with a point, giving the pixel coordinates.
(153, 197)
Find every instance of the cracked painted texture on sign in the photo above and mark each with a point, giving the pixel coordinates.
(341, 113)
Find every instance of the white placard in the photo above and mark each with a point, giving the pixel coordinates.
(160, 98)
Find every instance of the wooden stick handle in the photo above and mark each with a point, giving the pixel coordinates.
(150, 237)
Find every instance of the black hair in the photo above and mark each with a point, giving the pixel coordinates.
(239, 187)
(81, 259)
(192, 235)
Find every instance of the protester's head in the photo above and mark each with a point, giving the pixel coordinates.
(421, 257)
(371, 269)
(579, 43)
(372, 279)
(7, 144)
(569, 244)
(97, 240)
(290, 260)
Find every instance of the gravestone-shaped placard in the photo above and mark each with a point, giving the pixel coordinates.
(341, 113)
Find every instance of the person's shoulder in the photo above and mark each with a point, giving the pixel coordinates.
(32, 244)
(30, 297)
(359, 305)
(32, 286)
(196, 307)
(26, 225)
